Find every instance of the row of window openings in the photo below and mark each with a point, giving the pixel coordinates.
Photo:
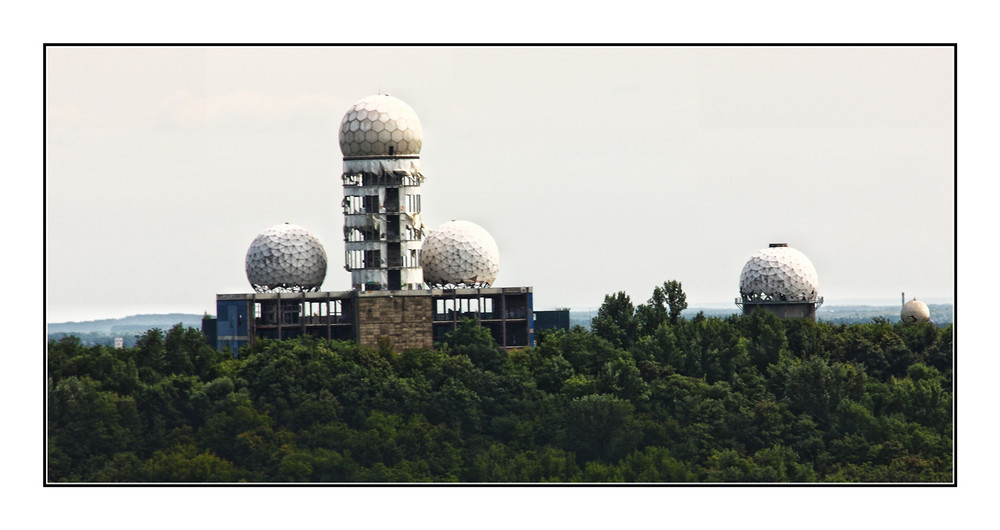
(458, 308)
(357, 235)
(369, 179)
(373, 259)
(464, 307)
(445, 309)
(360, 204)
(294, 313)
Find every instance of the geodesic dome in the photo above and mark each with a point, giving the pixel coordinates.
(915, 311)
(286, 258)
(380, 125)
(779, 273)
(460, 253)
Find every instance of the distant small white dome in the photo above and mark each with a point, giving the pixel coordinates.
(460, 253)
(779, 273)
(915, 311)
(380, 125)
(286, 258)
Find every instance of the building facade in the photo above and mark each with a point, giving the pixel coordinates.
(407, 319)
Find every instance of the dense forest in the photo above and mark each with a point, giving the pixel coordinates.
(646, 396)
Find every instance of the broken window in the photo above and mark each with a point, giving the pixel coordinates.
(372, 259)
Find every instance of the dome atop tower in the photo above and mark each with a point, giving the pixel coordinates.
(380, 125)
(460, 253)
(915, 311)
(779, 273)
(286, 258)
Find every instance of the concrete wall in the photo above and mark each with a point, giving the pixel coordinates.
(406, 320)
(785, 310)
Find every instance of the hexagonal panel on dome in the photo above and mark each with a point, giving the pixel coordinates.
(286, 258)
(460, 253)
(779, 274)
(391, 114)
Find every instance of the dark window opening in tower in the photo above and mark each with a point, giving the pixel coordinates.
(392, 199)
(371, 203)
(373, 259)
(392, 227)
(394, 257)
(395, 280)
(391, 149)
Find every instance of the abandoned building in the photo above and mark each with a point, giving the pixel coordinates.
(384, 236)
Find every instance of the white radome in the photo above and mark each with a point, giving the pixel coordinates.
(460, 253)
(779, 273)
(286, 258)
(915, 311)
(379, 124)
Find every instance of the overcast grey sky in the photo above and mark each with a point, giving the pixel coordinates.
(596, 169)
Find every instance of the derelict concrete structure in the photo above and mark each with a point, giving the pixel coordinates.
(380, 138)
(408, 319)
(782, 280)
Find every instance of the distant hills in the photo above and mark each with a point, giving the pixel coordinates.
(95, 332)
(134, 322)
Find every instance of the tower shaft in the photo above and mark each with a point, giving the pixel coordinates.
(383, 231)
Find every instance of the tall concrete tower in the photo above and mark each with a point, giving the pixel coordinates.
(380, 138)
